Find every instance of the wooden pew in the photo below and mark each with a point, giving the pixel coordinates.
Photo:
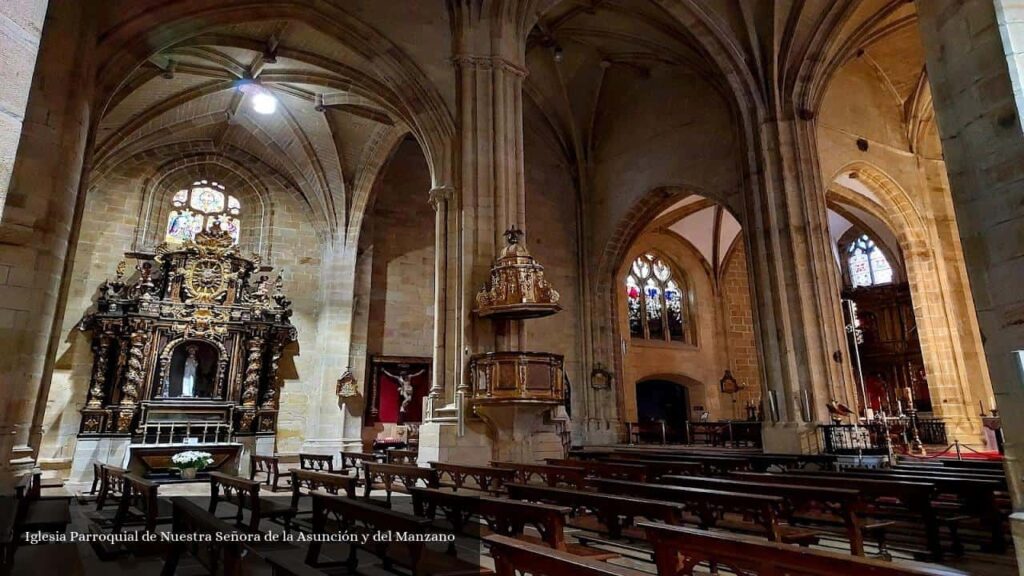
(354, 460)
(487, 479)
(267, 465)
(604, 469)
(111, 484)
(318, 462)
(613, 512)
(712, 465)
(218, 552)
(843, 505)
(710, 506)
(550, 475)
(387, 476)
(28, 511)
(976, 495)
(914, 497)
(357, 517)
(397, 456)
(657, 468)
(140, 503)
(245, 495)
(678, 550)
(501, 515)
(512, 556)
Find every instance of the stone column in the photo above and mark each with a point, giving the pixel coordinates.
(21, 26)
(975, 57)
(38, 227)
(439, 201)
(794, 287)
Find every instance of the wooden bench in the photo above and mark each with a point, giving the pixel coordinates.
(398, 456)
(513, 556)
(318, 462)
(614, 513)
(550, 475)
(711, 465)
(354, 460)
(678, 550)
(141, 504)
(28, 511)
(487, 479)
(111, 484)
(604, 468)
(976, 496)
(245, 495)
(351, 516)
(881, 497)
(813, 503)
(758, 513)
(657, 468)
(269, 466)
(388, 476)
(212, 545)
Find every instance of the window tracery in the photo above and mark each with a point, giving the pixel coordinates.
(199, 207)
(656, 302)
(867, 263)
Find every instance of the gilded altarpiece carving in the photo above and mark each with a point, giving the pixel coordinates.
(187, 349)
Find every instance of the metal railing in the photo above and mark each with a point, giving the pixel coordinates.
(850, 439)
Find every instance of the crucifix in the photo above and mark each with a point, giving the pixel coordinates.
(405, 390)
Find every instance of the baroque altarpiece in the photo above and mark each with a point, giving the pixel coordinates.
(188, 349)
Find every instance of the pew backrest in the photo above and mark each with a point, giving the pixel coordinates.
(313, 480)
(486, 478)
(550, 475)
(268, 465)
(318, 462)
(111, 484)
(243, 493)
(141, 494)
(513, 556)
(389, 475)
(678, 550)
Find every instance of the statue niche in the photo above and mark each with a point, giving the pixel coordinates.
(192, 371)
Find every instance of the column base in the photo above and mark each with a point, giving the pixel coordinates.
(790, 438)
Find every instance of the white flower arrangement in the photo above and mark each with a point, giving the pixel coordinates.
(192, 459)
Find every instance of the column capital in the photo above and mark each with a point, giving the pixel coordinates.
(489, 63)
(440, 194)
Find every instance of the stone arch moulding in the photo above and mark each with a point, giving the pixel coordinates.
(948, 380)
(418, 104)
(161, 184)
(605, 333)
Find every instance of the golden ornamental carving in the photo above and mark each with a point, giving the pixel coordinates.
(517, 287)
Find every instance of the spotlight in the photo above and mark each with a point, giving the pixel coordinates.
(558, 53)
(263, 102)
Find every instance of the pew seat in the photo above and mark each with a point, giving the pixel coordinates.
(512, 555)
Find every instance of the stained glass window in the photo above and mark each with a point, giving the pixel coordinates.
(867, 263)
(202, 206)
(656, 301)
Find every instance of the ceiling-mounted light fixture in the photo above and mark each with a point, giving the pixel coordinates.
(263, 102)
(559, 54)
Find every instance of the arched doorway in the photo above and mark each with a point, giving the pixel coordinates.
(665, 401)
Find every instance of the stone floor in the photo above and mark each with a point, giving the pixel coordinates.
(83, 513)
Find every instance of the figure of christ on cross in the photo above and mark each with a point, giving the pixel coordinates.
(405, 389)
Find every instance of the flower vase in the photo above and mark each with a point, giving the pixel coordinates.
(188, 473)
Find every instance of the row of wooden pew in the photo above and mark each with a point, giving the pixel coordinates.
(506, 498)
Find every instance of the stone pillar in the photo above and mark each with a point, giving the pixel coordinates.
(21, 25)
(794, 287)
(38, 227)
(975, 53)
(439, 201)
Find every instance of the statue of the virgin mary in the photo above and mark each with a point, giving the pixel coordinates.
(188, 379)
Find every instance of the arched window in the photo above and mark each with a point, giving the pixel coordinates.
(656, 301)
(868, 264)
(198, 207)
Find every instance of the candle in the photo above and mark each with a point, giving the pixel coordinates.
(899, 407)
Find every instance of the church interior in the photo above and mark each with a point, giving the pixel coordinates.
(452, 287)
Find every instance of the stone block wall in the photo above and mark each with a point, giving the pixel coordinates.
(109, 227)
(738, 316)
